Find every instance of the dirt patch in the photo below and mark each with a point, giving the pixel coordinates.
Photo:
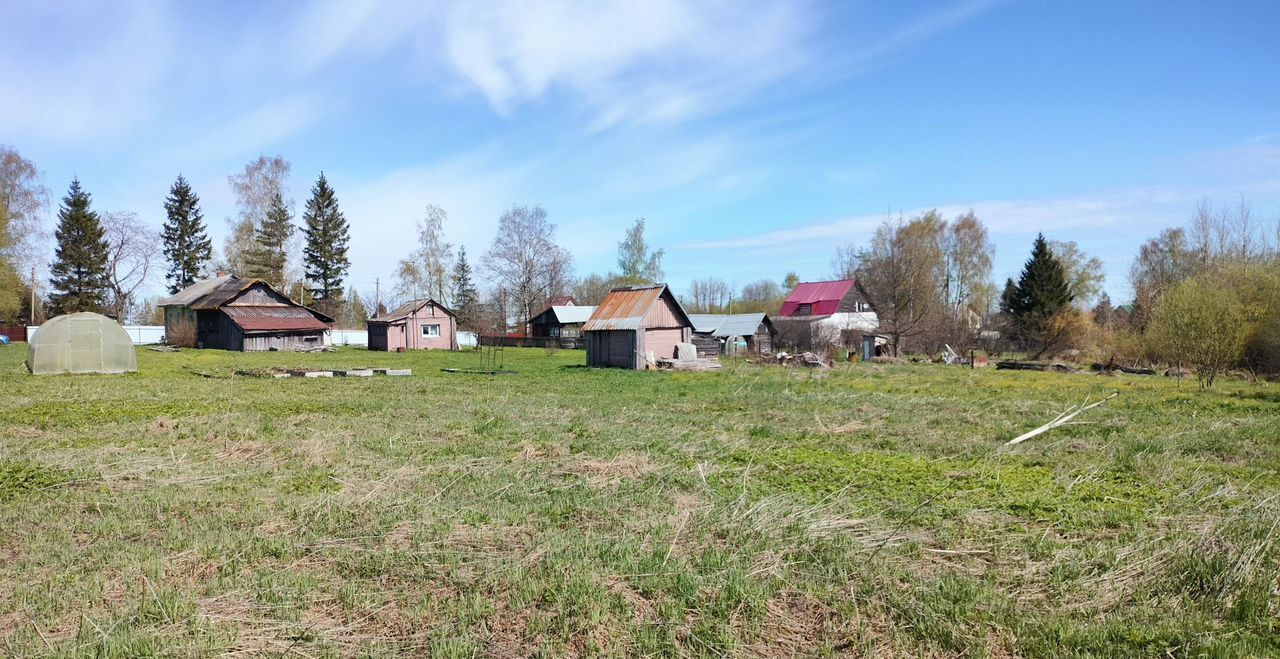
(795, 624)
(624, 466)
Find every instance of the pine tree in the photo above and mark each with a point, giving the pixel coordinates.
(1042, 293)
(79, 272)
(1043, 289)
(1007, 296)
(325, 254)
(466, 298)
(186, 245)
(268, 257)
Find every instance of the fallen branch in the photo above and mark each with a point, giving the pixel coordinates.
(1062, 419)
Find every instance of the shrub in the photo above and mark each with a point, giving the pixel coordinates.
(1201, 324)
(181, 333)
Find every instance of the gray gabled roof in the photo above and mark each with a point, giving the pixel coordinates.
(571, 314)
(226, 286)
(735, 324)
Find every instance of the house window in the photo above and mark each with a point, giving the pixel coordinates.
(431, 330)
(553, 332)
(804, 309)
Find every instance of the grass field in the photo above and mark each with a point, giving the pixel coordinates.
(864, 511)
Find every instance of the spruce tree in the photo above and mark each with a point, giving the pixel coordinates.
(268, 257)
(325, 254)
(79, 271)
(186, 245)
(1007, 297)
(465, 296)
(1042, 292)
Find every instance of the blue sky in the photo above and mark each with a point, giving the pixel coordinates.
(754, 137)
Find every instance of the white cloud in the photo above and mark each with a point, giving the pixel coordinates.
(654, 60)
(1140, 206)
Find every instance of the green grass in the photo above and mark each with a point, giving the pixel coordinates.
(754, 511)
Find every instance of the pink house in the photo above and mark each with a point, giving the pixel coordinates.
(415, 325)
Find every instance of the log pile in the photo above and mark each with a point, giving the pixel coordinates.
(1014, 365)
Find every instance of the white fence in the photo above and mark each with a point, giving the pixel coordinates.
(141, 334)
(348, 337)
(150, 334)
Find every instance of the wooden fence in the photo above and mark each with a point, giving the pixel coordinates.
(15, 333)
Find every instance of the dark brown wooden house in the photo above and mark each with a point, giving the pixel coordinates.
(233, 313)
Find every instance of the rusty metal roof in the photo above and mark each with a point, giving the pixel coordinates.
(624, 308)
(273, 318)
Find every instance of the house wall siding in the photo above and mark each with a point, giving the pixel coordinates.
(662, 342)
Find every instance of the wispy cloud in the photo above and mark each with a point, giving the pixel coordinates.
(1142, 206)
(657, 60)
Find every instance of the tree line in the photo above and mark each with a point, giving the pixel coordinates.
(1206, 294)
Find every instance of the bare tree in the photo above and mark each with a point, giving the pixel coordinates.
(425, 272)
(255, 188)
(844, 263)
(636, 263)
(899, 275)
(23, 198)
(1085, 274)
(764, 295)
(708, 295)
(525, 260)
(592, 288)
(133, 255)
(968, 253)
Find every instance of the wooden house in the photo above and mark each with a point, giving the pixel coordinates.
(731, 334)
(635, 325)
(560, 322)
(416, 325)
(233, 313)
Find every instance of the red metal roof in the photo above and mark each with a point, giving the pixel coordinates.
(822, 296)
(273, 319)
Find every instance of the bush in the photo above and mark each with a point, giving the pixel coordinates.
(181, 333)
(1202, 324)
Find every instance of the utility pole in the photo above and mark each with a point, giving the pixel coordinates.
(377, 294)
(33, 296)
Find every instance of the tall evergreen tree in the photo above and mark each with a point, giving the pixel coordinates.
(186, 245)
(269, 256)
(325, 254)
(1043, 289)
(79, 271)
(1007, 296)
(1042, 293)
(466, 299)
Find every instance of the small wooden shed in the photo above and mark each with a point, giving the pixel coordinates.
(415, 325)
(634, 325)
(731, 334)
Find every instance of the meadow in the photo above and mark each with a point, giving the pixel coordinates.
(868, 510)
